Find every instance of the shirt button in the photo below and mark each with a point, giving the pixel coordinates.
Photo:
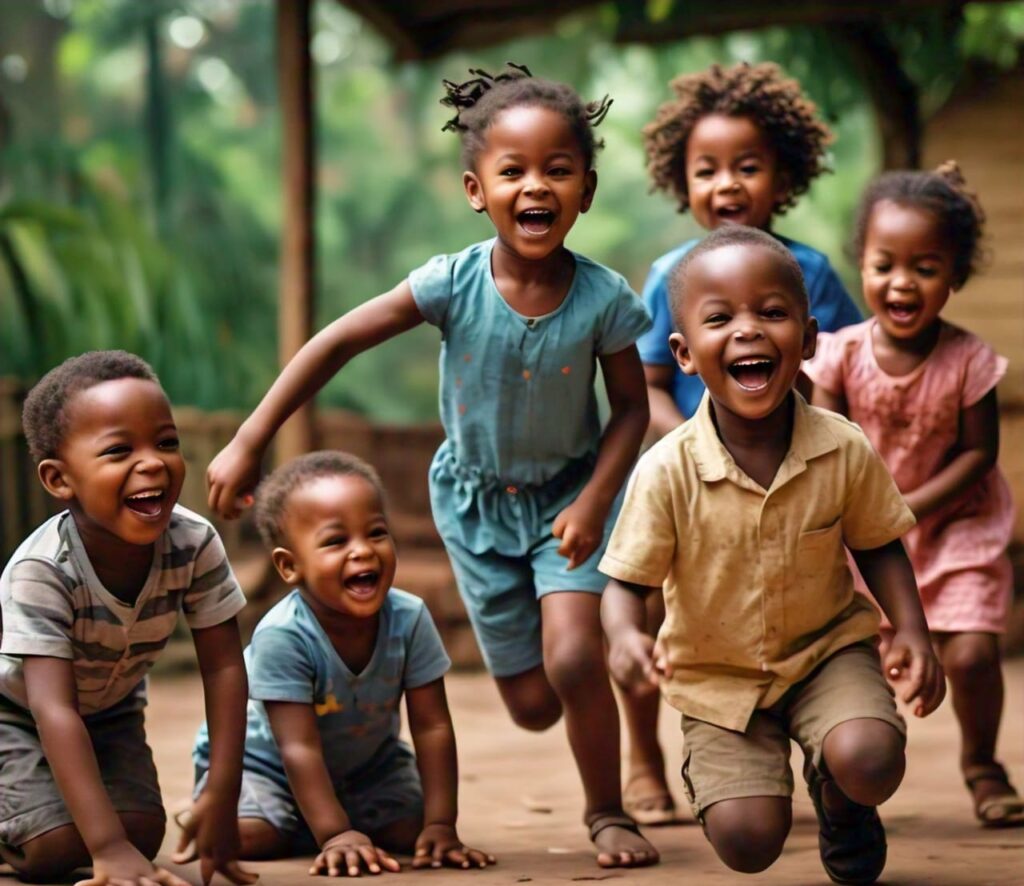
(511, 490)
(531, 322)
(526, 374)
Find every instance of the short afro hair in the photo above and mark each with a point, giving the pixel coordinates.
(479, 101)
(274, 492)
(736, 235)
(760, 92)
(945, 194)
(44, 416)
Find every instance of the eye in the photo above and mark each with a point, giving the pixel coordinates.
(510, 172)
(882, 267)
(117, 450)
(927, 270)
(716, 319)
(775, 313)
(559, 171)
(334, 541)
(169, 444)
(379, 532)
(750, 168)
(704, 172)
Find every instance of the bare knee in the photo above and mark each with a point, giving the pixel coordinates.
(866, 759)
(530, 700)
(259, 839)
(748, 833)
(49, 856)
(971, 659)
(573, 665)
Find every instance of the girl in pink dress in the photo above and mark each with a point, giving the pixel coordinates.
(924, 392)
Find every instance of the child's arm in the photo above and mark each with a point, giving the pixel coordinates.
(53, 701)
(890, 578)
(434, 738)
(235, 470)
(225, 690)
(977, 448)
(827, 400)
(580, 526)
(342, 849)
(634, 659)
(665, 413)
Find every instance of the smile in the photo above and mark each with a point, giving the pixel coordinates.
(148, 504)
(363, 584)
(752, 373)
(730, 211)
(902, 313)
(536, 222)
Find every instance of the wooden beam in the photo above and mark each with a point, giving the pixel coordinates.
(296, 287)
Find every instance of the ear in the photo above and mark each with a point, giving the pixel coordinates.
(677, 341)
(284, 563)
(589, 189)
(810, 338)
(52, 476)
(474, 191)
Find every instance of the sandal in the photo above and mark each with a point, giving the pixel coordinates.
(656, 807)
(1000, 810)
(618, 819)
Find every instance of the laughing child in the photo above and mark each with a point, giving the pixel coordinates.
(740, 517)
(88, 602)
(324, 768)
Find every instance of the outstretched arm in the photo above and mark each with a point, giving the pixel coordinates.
(434, 738)
(581, 524)
(235, 470)
(977, 449)
(910, 659)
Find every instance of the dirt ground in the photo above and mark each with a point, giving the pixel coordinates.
(521, 800)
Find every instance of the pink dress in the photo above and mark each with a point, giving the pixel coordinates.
(959, 551)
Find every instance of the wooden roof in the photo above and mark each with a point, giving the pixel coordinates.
(420, 29)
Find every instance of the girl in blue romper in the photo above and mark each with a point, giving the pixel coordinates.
(525, 489)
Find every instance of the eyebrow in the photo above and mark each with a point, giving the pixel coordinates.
(518, 158)
(932, 254)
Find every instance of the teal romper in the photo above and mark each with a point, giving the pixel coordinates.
(520, 412)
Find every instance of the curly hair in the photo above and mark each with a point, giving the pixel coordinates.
(759, 92)
(942, 192)
(274, 492)
(736, 235)
(479, 100)
(44, 417)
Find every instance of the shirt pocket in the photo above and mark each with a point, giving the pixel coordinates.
(819, 588)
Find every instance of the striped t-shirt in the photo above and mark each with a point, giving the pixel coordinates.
(53, 604)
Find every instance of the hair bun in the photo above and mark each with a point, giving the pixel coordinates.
(949, 171)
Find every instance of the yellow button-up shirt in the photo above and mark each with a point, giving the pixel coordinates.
(757, 589)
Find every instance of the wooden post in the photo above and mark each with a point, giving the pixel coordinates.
(296, 282)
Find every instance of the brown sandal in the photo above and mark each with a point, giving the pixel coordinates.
(998, 810)
(656, 807)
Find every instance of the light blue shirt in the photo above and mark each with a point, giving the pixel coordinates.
(291, 658)
(831, 306)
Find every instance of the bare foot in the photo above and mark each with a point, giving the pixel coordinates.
(620, 843)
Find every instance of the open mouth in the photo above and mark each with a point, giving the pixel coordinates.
(536, 221)
(752, 373)
(731, 212)
(146, 504)
(363, 584)
(902, 312)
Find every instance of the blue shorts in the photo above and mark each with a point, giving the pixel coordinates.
(386, 790)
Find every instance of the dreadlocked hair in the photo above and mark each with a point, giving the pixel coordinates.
(761, 92)
(944, 193)
(479, 100)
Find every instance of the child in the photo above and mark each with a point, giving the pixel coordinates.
(324, 765)
(88, 602)
(736, 146)
(524, 489)
(925, 393)
(740, 517)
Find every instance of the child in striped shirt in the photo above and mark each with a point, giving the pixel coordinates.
(87, 604)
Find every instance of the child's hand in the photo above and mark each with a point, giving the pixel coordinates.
(637, 663)
(209, 832)
(581, 528)
(353, 851)
(124, 865)
(439, 845)
(911, 661)
(231, 478)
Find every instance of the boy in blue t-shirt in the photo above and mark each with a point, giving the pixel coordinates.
(324, 766)
(737, 146)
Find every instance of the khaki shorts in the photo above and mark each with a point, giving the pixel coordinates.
(720, 764)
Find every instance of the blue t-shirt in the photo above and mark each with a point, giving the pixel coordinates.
(291, 658)
(831, 306)
(517, 393)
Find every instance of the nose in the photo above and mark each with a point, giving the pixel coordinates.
(725, 180)
(359, 548)
(534, 185)
(150, 462)
(748, 330)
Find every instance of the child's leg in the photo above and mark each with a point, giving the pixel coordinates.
(647, 797)
(574, 664)
(748, 833)
(260, 840)
(971, 661)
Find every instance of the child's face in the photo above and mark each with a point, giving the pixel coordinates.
(119, 466)
(906, 269)
(531, 179)
(731, 173)
(340, 549)
(744, 330)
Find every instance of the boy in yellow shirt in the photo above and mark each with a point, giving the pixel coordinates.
(740, 517)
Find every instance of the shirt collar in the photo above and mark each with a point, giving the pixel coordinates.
(811, 438)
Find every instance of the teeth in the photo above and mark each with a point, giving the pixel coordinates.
(753, 361)
(153, 493)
